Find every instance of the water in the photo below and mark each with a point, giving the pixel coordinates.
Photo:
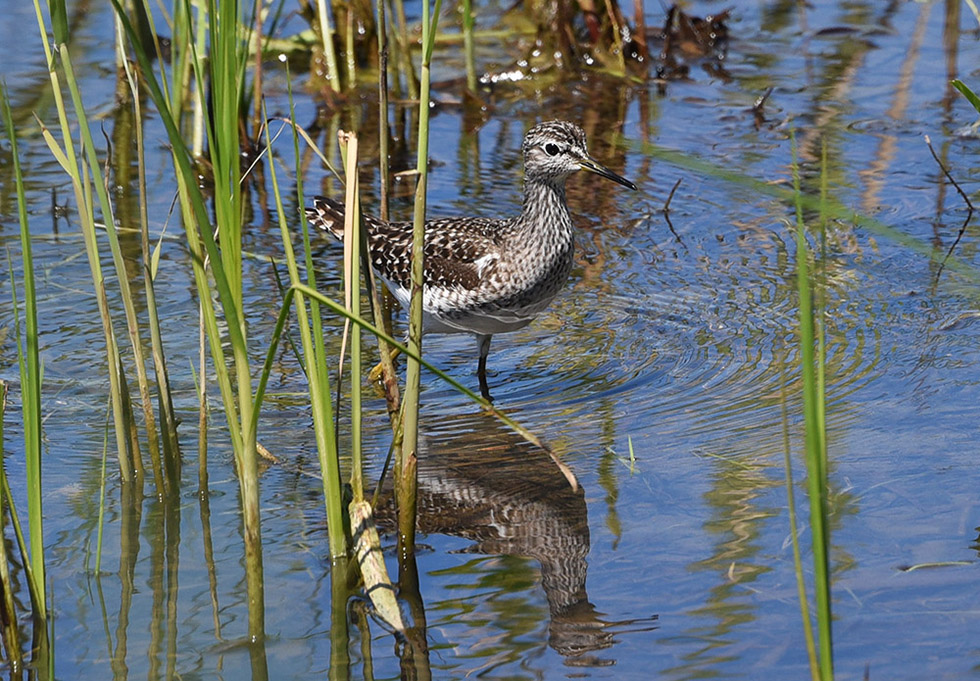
(679, 567)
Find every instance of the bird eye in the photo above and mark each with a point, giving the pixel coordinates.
(552, 149)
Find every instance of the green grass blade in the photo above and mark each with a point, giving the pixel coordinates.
(405, 462)
(808, 638)
(30, 370)
(814, 439)
(78, 172)
(224, 77)
(197, 227)
(968, 93)
(352, 300)
(122, 275)
(315, 365)
(171, 447)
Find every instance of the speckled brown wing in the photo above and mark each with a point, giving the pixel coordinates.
(454, 257)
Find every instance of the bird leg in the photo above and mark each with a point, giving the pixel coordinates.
(483, 341)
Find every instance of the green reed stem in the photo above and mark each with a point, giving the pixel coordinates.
(168, 432)
(224, 144)
(326, 35)
(404, 50)
(189, 60)
(340, 593)
(352, 300)
(315, 357)
(228, 56)
(78, 172)
(821, 302)
(59, 21)
(364, 536)
(383, 129)
(319, 388)
(257, 104)
(469, 21)
(389, 379)
(122, 278)
(29, 360)
(406, 466)
(227, 62)
(811, 649)
(815, 443)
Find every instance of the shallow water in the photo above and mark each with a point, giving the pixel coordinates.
(677, 568)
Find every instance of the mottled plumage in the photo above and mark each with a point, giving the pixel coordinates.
(486, 275)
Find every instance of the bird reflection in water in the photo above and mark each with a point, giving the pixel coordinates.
(479, 481)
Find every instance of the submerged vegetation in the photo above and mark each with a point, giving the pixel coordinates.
(195, 75)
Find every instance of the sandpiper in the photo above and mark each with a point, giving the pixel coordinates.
(487, 275)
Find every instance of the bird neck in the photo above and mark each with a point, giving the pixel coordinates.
(545, 208)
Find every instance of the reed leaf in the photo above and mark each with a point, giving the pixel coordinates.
(352, 301)
(314, 363)
(226, 65)
(388, 378)
(122, 278)
(967, 92)
(29, 363)
(808, 638)
(405, 462)
(404, 54)
(29, 360)
(78, 172)
(815, 438)
(168, 419)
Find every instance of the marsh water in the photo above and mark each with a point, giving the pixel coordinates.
(674, 338)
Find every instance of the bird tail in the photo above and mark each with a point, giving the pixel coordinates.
(327, 215)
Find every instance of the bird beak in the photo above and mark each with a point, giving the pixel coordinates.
(593, 166)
